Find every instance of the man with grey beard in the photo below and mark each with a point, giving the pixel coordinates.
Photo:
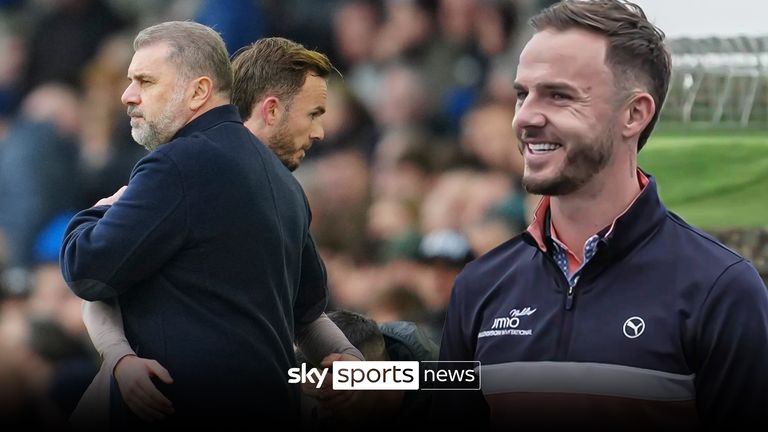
(206, 251)
(151, 133)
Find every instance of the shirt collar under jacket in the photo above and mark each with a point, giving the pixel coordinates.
(638, 221)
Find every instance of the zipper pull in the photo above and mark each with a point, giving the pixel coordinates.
(569, 298)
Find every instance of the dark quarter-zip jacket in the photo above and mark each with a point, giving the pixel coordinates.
(665, 327)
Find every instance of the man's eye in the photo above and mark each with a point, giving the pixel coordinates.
(560, 96)
(521, 95)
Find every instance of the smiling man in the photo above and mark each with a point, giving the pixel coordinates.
(635, 318)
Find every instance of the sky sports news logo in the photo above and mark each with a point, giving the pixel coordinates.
(393, 375)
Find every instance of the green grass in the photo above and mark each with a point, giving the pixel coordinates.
(712, 178)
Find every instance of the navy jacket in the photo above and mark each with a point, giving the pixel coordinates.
(665, 327)
(209, 255)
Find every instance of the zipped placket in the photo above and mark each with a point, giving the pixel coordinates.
(569, 298)
(559, 260)
(566, 326)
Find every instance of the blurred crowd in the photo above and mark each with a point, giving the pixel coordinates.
(417, 174)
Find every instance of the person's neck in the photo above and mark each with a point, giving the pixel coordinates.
(213, 102)
(580, 215)
(257, 128)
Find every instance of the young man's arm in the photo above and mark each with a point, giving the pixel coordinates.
(322, 338)
(318, 338)
(321, 341)
(315, 334)
(104, 323)
(133, 374)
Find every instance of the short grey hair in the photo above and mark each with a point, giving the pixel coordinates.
(196, 49)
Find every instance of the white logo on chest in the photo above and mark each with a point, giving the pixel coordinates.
(634, 327)
(507, 325)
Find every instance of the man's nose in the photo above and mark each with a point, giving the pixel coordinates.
(317, 133)
(131, 95)
(528, 115)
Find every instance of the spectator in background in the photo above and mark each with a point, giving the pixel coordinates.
(403, 98)
(487, 133)
(499, 83)
(337, 189)
(50, 297)
(494, 23)
(43, 371)
(239, 22)
(16, 407)
(77, 27)
(58, 365)
(444, 253)
(491, 231)
(346, 123)
(38, 174)
(404, 163)
(306, 22)
(609, 310)
(407, 32)
(47, 348)
(399, 303)
(57, 335)
(11, 75)
(393, 229)
(355, 27)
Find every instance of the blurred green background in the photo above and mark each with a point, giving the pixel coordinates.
(713, 178)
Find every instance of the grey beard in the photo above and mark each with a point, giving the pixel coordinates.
(147, 137)
(160, 131)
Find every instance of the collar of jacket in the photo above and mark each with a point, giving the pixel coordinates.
(209, 119)
(632, 228)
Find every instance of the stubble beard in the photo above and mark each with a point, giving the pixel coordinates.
(282, 145)
(582, 162)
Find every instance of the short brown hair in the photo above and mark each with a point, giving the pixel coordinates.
(636, 52)
(273, 66)
(197, 49)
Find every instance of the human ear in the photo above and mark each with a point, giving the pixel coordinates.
(638, 113)
(269, 109)
(202, 91)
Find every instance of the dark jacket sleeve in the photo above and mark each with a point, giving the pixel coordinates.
(313, 286)
(108, 249)
(732, 355)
